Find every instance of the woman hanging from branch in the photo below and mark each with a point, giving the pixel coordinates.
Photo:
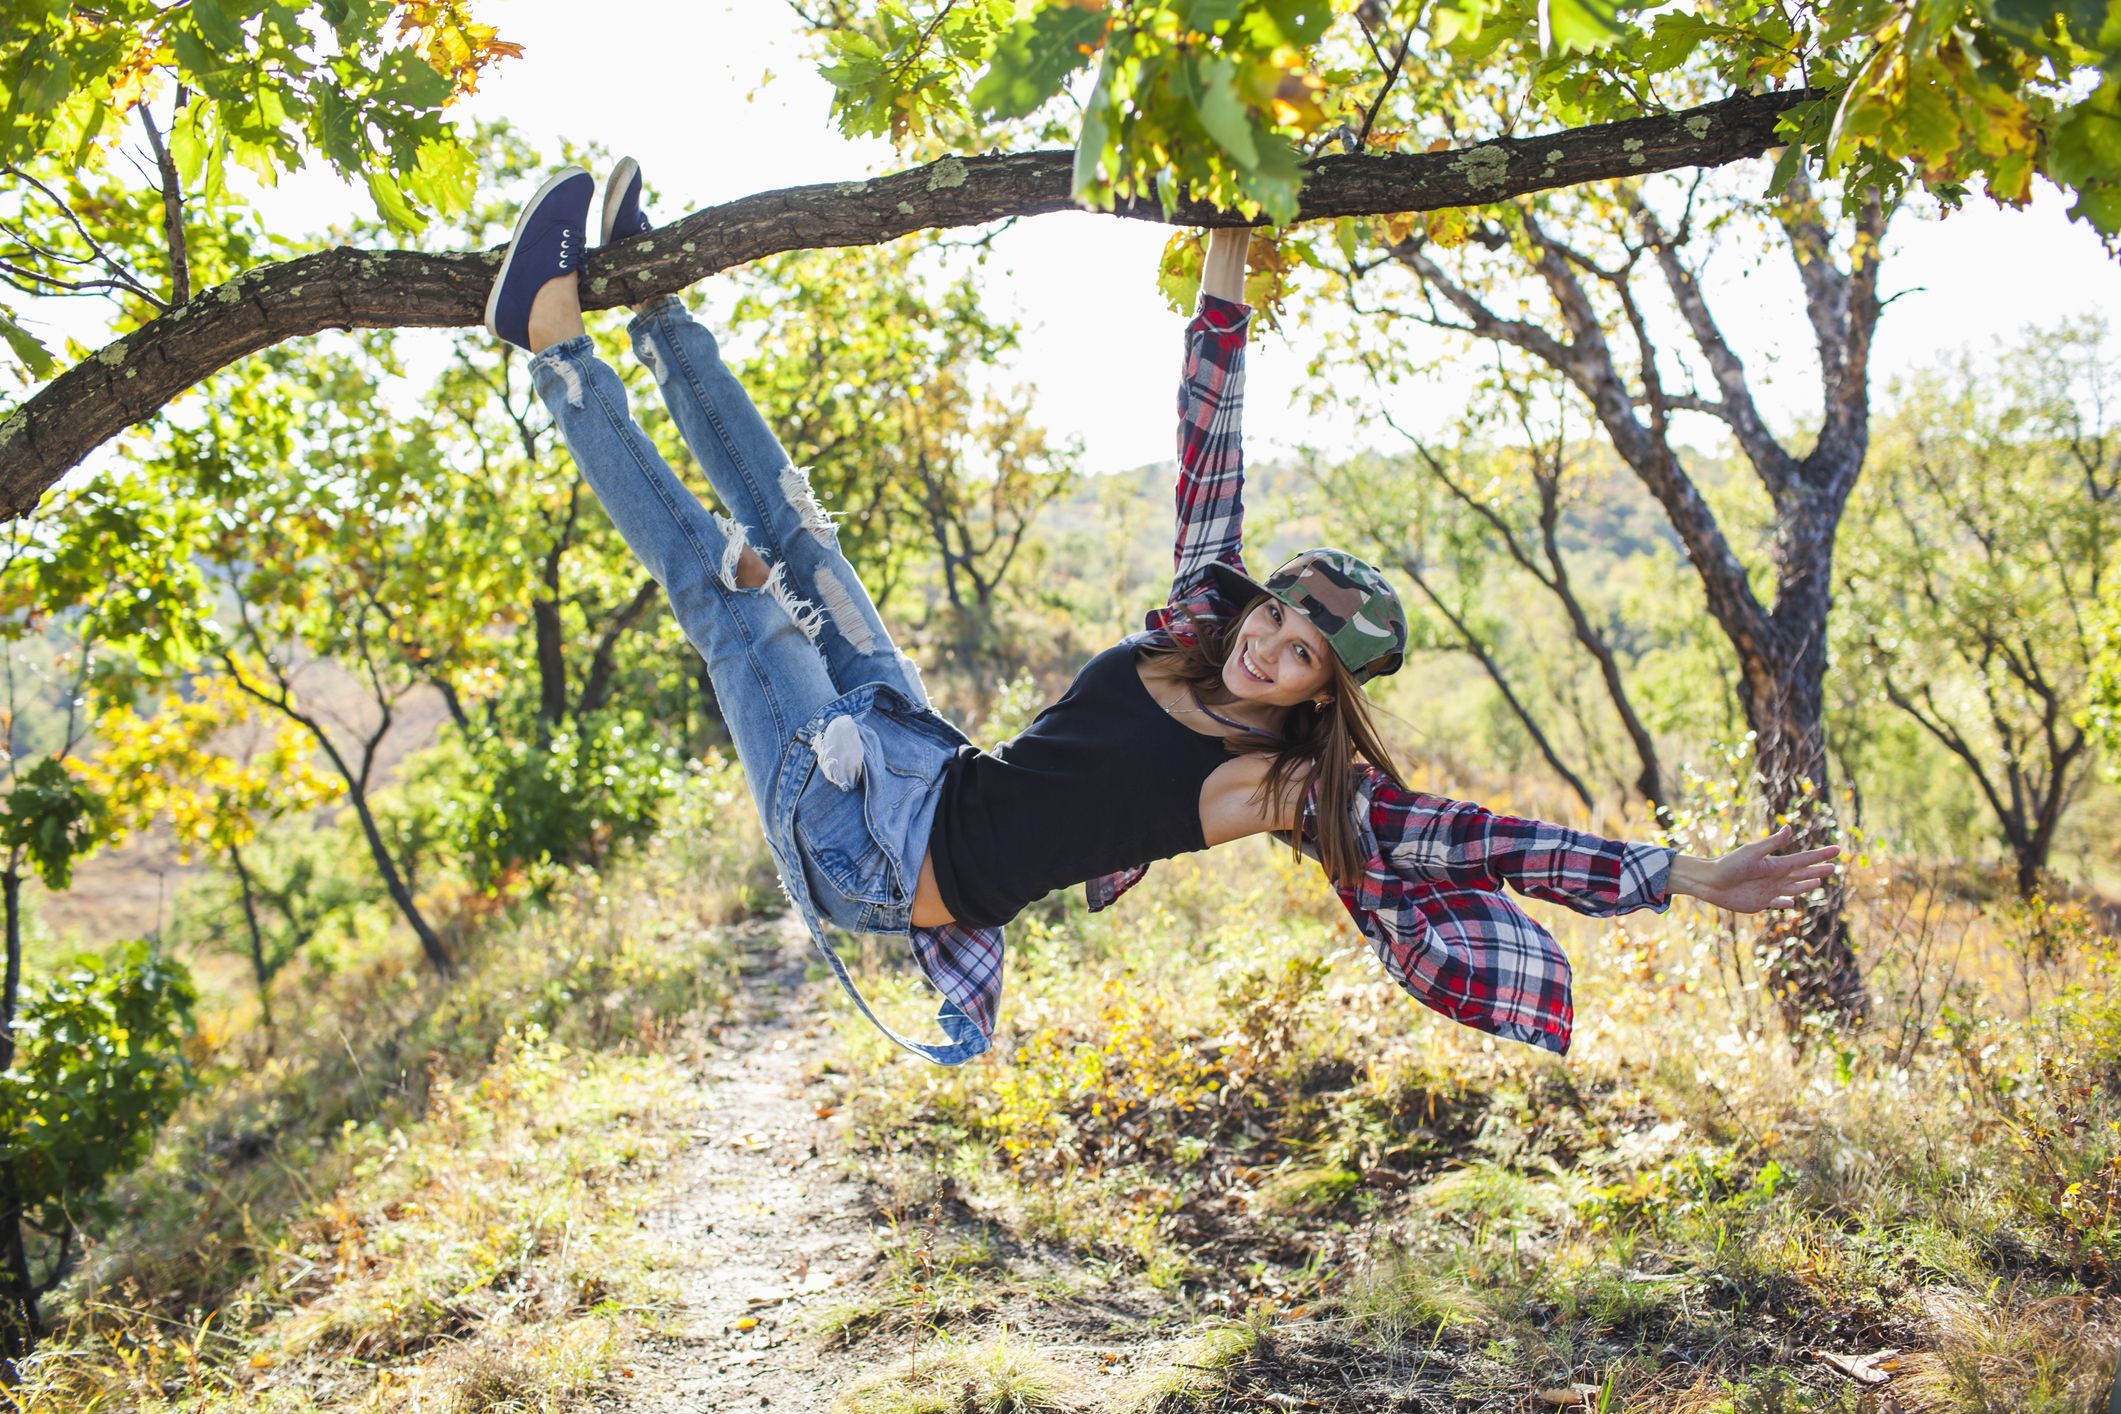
(1239, 711)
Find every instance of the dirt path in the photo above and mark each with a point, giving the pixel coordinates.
(762, 1222)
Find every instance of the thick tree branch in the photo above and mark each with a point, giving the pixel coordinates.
(1771, 462)
(133, 377)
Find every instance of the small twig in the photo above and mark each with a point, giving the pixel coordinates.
(172, 201)
(118, 271)
(1369, 117)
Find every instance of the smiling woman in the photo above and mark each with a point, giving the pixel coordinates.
(1239, 709)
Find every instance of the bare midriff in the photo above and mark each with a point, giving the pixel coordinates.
(928, 908)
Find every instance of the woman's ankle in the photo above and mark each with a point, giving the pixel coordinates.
(556, 314)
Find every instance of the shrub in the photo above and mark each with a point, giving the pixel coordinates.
(98, 1067)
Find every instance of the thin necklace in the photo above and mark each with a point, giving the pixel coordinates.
(1200, 706)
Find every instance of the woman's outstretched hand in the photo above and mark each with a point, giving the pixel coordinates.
(1753, 877)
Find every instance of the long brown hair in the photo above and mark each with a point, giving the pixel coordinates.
(1315, 740)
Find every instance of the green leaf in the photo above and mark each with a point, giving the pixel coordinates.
(47, 84)
(1222, 112)
(1033, 60)
(26, 347)
(196, 62)
(1930, 118)
(1086, 183)
(1578, 26)
(2086, 146)
(1786, 167)
(390, 202)
(1297, 22)
(1205, 15)
(2100, 208)
(337, 125)
(213, 25)
(1672, 40)
(446, 177)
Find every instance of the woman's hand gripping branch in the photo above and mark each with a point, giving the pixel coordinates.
(1753, 877)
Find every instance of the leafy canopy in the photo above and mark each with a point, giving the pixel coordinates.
(266, 86)
(1221, 99)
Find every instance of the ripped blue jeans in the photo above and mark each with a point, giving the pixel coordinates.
(843, 753)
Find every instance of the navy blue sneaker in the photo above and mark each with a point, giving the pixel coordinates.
(550, 239)
(623, 216)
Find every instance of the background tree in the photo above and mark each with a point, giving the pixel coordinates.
(203, 766)
(319, 562)
(265, 88)
(880, 372)
(1510, 484)
(1985, 535)
(1539, 284)
(1174, 99)
(91, 604)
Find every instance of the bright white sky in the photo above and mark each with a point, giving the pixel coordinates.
(1101, 346)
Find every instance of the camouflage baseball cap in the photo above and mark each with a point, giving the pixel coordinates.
(1345, 599)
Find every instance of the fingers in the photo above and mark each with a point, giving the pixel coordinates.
(1810, 856)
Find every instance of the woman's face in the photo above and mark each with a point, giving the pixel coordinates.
(1278, 658)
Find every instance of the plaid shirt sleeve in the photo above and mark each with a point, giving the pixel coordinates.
(1430, 900)
(1211, 459)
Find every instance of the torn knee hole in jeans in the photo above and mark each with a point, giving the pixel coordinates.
(846, 615)
(808, 616)
(646, 348)
(839, 752)
(571, 377)
(795, 489)
(734, 543)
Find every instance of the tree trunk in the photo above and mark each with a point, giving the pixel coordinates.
(11, 890)
(1781, 651)
(552, 664)
(394, 882)
(134, 377)
(258, 970)
(357, 792)
(19, 1320)
(1809, 959)
(596, 684)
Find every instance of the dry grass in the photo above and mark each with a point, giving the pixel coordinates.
(428, 1198)
(1211, 1089)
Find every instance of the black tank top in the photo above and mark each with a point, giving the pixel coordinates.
(1102, 780)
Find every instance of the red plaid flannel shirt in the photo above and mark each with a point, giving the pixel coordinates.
(1430, 897)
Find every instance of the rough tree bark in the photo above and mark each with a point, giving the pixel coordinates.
(133, 377)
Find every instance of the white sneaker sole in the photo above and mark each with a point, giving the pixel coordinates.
(493, 296)
(614, 192)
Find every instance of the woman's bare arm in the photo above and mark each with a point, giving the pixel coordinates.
(1222, 270)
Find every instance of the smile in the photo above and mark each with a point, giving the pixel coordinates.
(1244, 661)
